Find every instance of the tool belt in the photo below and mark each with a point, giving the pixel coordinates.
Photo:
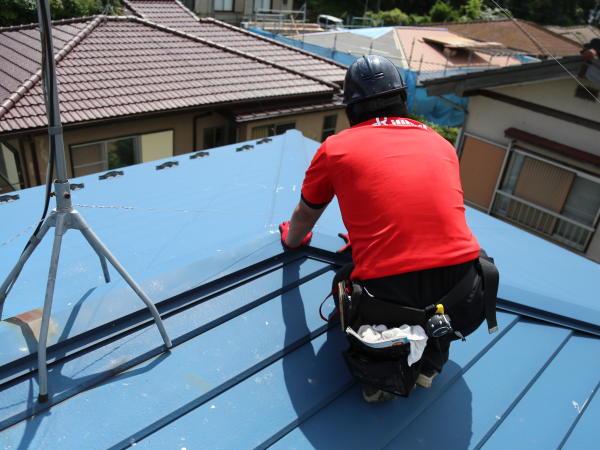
(386, 368)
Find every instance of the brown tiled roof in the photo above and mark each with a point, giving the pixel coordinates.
(581, 34)
(128, 66)
(508, 33)
(173, 14)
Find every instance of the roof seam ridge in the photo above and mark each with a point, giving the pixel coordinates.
(234, 51)
(273, 41)
(26, 86)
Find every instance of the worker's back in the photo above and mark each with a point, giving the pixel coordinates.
(398, 186)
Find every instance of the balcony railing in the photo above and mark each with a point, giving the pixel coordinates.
(541, 220)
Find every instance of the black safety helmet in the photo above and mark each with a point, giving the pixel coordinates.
(371, 76)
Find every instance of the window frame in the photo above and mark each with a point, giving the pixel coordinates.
(224, 10)
(103, 142)
(17, 157)
(325, 130)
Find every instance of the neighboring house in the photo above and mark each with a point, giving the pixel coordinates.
(511, 36)
(133, 91)
(428, 51)
(529, 147)
(234, 11)
(582, 34)
(253, 365)
(420, 54)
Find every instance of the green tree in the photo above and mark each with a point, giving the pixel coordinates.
(18, 12)
(390, 18)
(443, 12)
(472, 10)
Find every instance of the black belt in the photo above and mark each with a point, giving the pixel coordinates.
(393, 313)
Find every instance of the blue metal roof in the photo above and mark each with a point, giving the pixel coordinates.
(253, 365)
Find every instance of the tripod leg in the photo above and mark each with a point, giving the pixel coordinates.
(42, 370)
(102, 258)
(16, 271)
(94, 241)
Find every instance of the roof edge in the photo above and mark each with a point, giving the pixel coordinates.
(516, 68)
(26, 86)
(231, 50)
(31, 26)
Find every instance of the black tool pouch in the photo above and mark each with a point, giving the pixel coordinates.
(349, 295)
(385, 369)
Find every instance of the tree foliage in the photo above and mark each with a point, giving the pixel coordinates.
(18, 12)
(543, 12)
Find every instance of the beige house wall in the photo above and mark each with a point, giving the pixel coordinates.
(489, 118)
(182, 125)
(310, 125)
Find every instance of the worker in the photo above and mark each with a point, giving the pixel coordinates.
(399, 192)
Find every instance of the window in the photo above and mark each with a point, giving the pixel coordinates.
(281, 128)
(10, 170)
(262, 5)
(329, 124)
(223, 5)
(271, 130)
(114, 154)
(583, 201)
(260, 132)
(214, 137)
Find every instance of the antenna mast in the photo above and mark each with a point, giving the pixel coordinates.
(63, 217)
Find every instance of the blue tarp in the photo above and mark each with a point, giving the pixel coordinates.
(431, 108)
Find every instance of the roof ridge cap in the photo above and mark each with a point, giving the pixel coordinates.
(232, 50)
(26, 86)
(273, 41)
(130, 6)
(191, 13)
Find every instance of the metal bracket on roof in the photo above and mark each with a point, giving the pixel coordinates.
(264, 141)
(9, 198)
(199, 155)
(111, 174)
(244, 148)
(167, 165)
(77, 187)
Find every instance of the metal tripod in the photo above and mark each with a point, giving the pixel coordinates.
(64, 217)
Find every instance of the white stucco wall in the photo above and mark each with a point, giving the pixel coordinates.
(490, 118)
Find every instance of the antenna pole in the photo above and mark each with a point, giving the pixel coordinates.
(63, 217)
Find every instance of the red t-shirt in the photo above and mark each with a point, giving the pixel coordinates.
(399, 191)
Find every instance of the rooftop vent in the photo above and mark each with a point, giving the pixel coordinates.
(9, 198)
(264, 141)
(77, 187)
(111, 174)
(244, 148)
(167, 165)
(199, 155)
